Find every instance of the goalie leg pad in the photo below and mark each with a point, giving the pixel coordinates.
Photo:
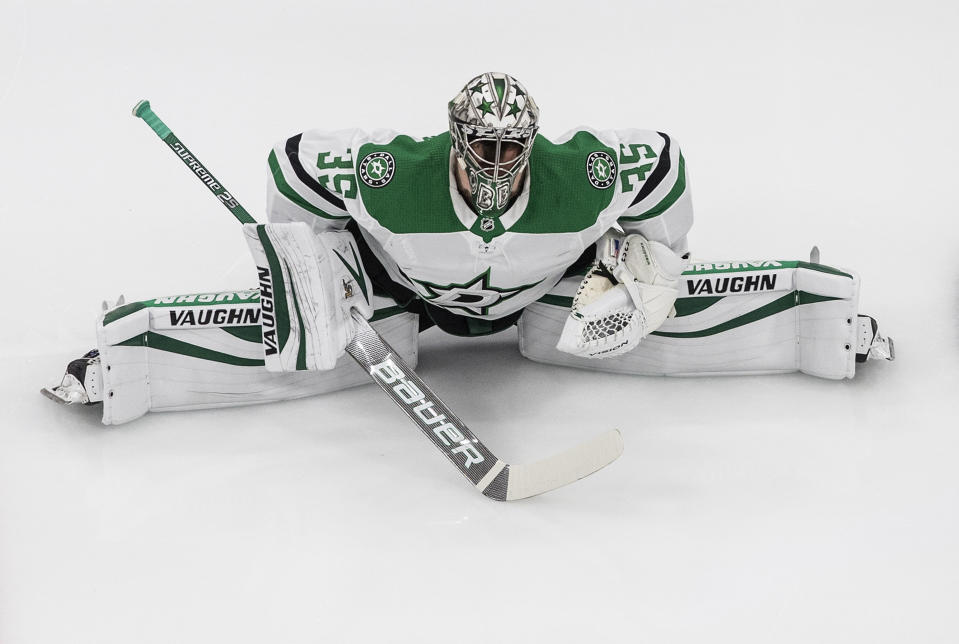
(732, 318)
(205, 351)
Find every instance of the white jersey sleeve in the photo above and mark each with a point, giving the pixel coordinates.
(312, 179)
(652, 171)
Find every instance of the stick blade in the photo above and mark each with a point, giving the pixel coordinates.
(564, 468)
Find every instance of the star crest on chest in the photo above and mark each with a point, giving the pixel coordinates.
(475, 296)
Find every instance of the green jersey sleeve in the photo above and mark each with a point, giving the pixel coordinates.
(312, 178)
(655, 187)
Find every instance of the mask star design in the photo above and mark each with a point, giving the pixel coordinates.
(477, 296)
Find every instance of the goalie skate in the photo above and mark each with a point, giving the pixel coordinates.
(872, 345)
(81, 384)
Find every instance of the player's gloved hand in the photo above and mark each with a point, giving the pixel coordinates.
(309, 285)
(626, 295)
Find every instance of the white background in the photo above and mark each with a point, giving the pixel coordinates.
(777, 509)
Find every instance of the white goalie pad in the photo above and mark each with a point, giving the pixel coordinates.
(731, 318)
(205, 351)
(309, 283)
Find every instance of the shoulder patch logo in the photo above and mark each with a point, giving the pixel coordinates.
(376, 169)
(601, 169)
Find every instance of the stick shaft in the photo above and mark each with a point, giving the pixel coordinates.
(143, 111)
(425, 409)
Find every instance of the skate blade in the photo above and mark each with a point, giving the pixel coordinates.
(66, 396)
(52, 395)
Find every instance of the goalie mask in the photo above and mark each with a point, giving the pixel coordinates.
(493, 122)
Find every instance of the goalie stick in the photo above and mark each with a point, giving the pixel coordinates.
(491, 476)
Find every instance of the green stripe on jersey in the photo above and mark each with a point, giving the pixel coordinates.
(671, 197)
(287, 191)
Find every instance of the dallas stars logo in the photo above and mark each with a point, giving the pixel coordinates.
(476, 296)
(376, 169)
(601, 169)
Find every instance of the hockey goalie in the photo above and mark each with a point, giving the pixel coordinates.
(581, 242)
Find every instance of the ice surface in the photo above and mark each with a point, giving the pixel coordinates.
(777, 509)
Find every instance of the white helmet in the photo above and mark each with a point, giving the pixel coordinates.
(493, 122)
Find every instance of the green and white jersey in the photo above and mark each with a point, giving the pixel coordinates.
(401, 192)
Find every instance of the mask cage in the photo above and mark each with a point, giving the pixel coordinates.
(465, 136)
